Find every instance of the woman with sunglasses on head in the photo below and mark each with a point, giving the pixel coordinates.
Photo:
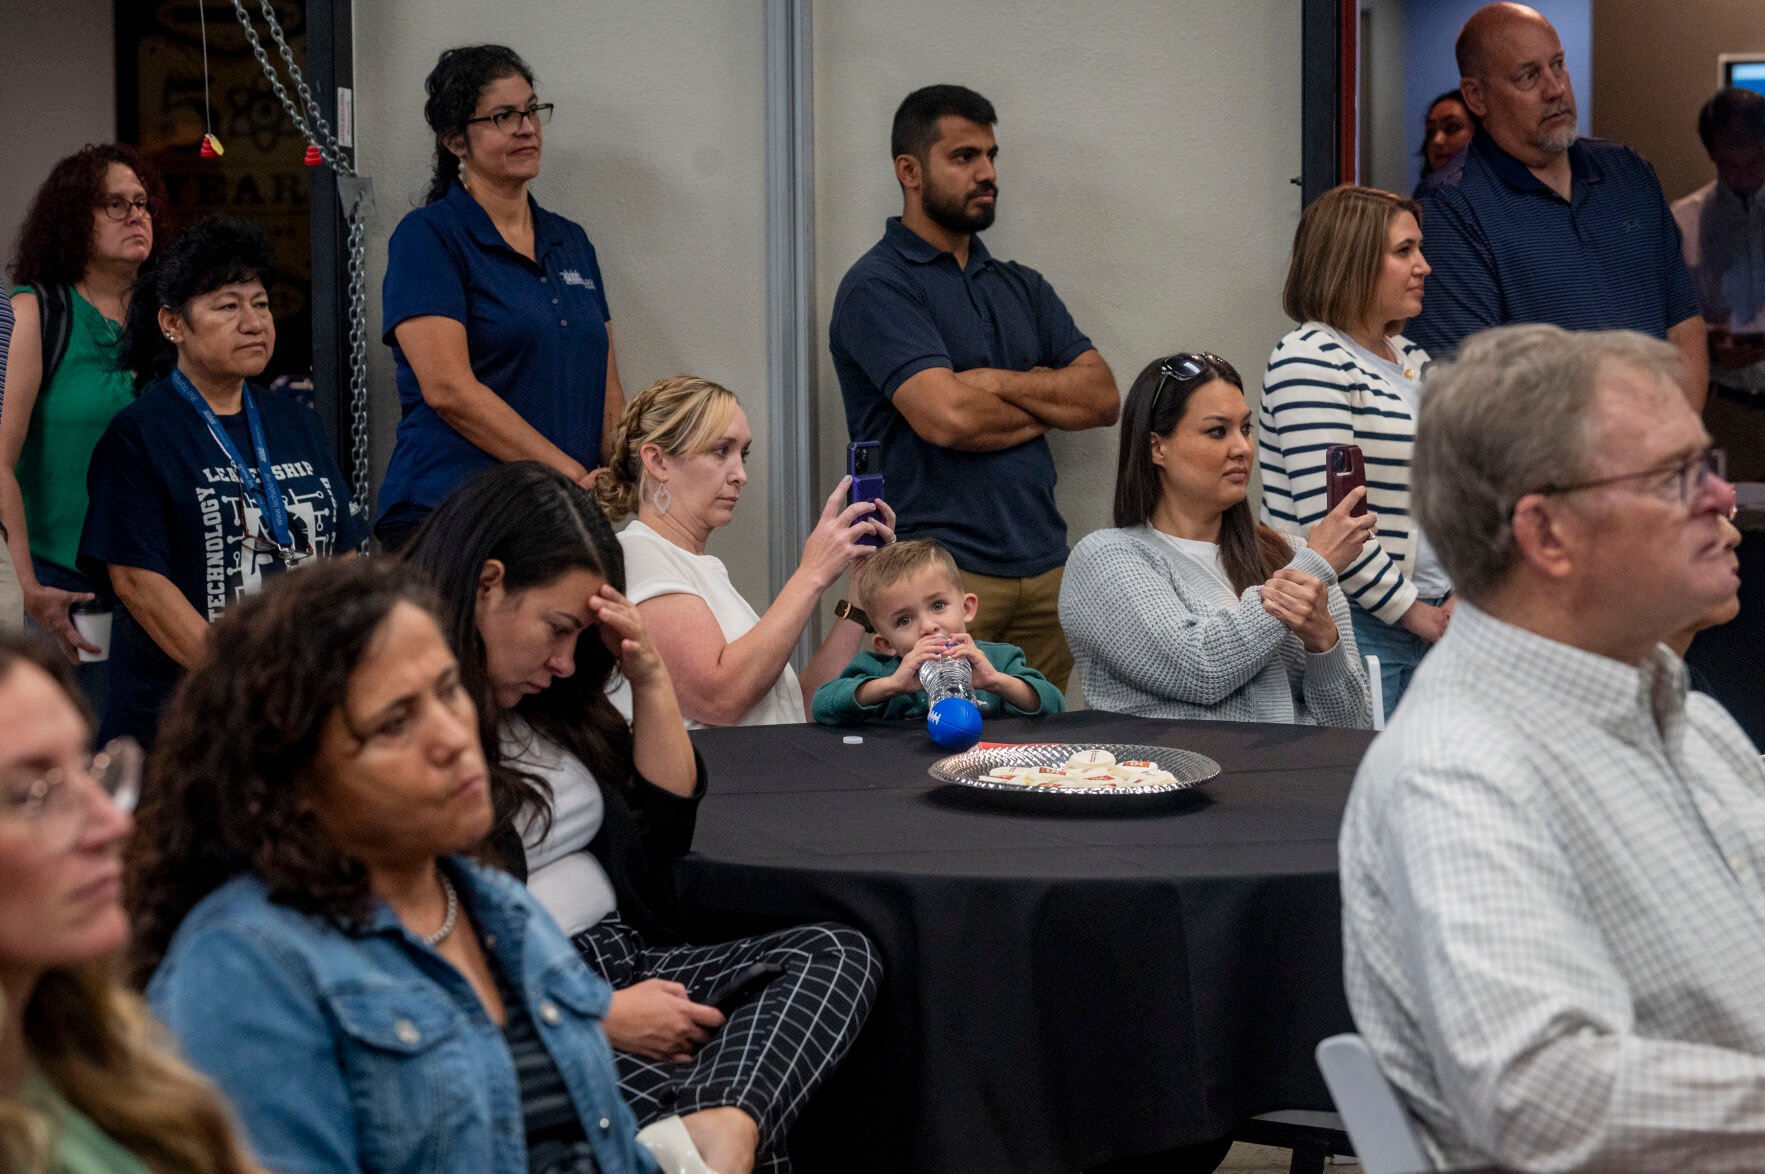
(86, 235)
(86, 1083)
(1189, 608)
(1345, 376)
(320, 937)
(205, 486)
(532, 581)
(495, 308)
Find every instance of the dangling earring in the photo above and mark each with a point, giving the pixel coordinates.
(463, 182)
(662, 498)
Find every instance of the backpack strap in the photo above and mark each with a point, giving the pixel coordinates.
(56, 309)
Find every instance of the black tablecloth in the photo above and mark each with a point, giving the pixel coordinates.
(1060, 989)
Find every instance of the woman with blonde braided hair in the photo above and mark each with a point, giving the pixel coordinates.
(677, 467)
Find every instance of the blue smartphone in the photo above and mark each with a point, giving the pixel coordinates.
(864, 463)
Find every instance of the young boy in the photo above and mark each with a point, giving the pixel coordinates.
(919, 612)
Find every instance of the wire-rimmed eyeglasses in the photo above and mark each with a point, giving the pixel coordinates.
(53, 803)
(1685, 478)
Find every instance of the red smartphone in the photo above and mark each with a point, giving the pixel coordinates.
(1345, 470)
(864, 463)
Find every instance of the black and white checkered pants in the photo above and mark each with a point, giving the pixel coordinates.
(774, 1050)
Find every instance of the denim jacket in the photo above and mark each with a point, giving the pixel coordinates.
(345, 1051)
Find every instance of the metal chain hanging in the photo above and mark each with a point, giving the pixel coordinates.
(357, 196)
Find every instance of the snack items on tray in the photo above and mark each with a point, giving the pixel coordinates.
(1087, 770)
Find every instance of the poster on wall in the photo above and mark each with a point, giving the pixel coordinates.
(164, 107)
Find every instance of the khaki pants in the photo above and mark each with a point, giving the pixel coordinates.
(1024, 612)
(12, 600)
(1739, 428)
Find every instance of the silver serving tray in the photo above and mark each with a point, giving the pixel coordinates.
(965, 770)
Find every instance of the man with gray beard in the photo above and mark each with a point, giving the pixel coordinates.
(1534, 224)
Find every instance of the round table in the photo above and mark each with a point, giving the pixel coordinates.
(1059, 990)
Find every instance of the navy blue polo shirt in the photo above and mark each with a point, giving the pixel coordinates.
(536, 334)
(1506, 248)
(905, 307)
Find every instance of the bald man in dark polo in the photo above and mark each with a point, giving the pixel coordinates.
(1534, 224)
(959, 364)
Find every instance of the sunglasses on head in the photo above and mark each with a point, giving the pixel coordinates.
(1182, 368)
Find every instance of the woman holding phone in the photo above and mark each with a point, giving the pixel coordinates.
(678, 465)
(1345, 376)
(1188, 608)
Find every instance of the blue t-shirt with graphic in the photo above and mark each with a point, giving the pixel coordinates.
(165, 497)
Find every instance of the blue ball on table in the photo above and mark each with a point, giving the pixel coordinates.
(954, 724)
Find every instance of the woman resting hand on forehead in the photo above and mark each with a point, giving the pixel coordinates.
(318, 933)
(594, 811)
(1189, 608)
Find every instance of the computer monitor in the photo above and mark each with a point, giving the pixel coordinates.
(1743, 70)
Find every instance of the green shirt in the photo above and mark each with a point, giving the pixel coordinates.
(80, 1146)
(836, 703)
(69, 417)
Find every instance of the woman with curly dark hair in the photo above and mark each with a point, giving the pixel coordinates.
(205, 487)
(532, 582)
(87, 1081)
(87, 233)
(320, 939)
(495, 308)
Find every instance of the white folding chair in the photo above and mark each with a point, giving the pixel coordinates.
(1379, 1126)
(1376, 691)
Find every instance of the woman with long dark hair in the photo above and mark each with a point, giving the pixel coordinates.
(87, 1081)
(1446, 128)
(494, 307)
(315, 928)
(206, 486)
(1189, 608)
(532, 582)
(86, 235)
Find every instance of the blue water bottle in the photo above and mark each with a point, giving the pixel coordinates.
(953, 719)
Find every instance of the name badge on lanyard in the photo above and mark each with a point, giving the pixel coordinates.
(257, 485)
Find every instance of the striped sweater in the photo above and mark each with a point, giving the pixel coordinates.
(1316, 393)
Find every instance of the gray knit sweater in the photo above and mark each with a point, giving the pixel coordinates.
(1149, 640)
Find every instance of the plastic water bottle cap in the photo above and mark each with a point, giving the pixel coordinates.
(954, 723)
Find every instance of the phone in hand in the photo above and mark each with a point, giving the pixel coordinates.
(1344, 471)
(864, 463)
(744, 985)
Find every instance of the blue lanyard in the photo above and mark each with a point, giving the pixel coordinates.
(260, 483)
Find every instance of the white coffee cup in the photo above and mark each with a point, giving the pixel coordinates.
(92, 620)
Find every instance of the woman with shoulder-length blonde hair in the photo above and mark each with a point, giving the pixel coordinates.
(85, 1083)
(678, 465)
(1346, 376)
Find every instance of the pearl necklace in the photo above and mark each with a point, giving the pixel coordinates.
(453, 913)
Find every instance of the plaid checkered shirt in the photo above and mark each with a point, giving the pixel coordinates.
(1553, 888)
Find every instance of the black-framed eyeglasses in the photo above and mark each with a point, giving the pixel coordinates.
(1182, 368)
(509, 121)
(122, 207)
(1682, 480)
